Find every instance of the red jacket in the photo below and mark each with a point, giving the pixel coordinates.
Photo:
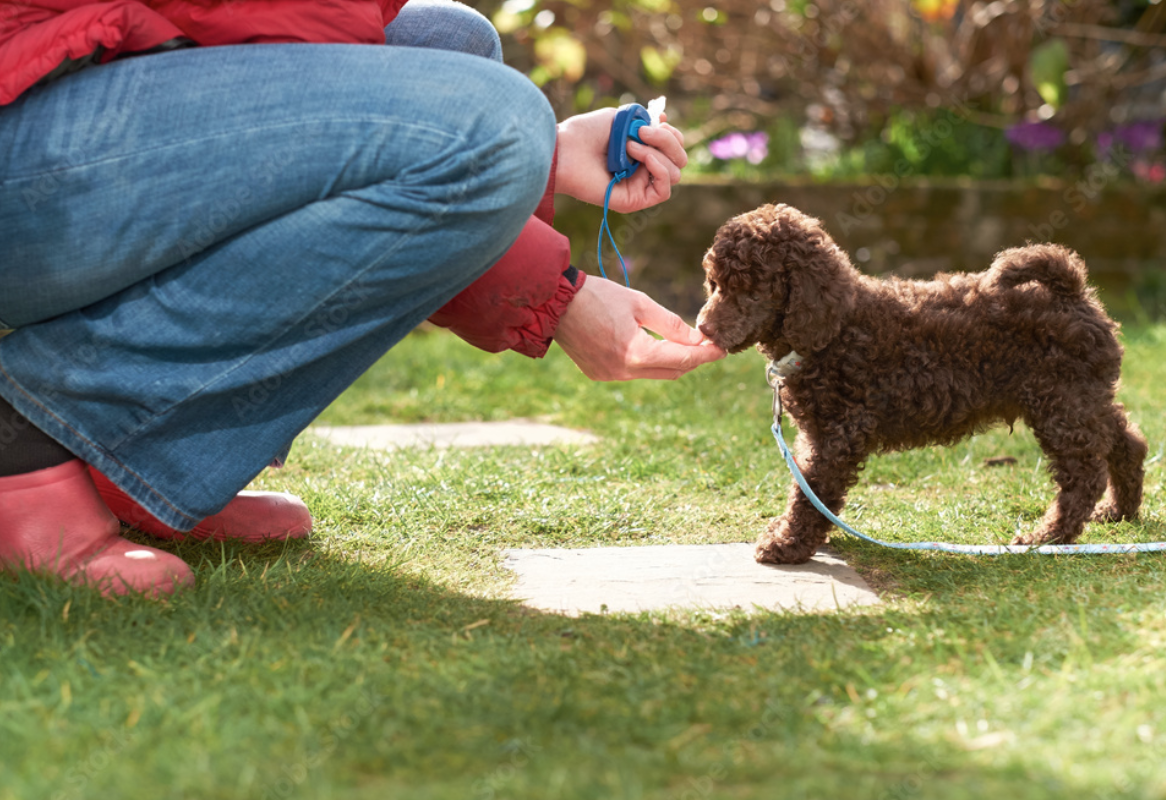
(516, 305)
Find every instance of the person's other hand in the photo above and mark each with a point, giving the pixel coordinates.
(602, 331)
(582, 170)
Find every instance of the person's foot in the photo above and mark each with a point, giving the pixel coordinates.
(250, 517)
(53, 521)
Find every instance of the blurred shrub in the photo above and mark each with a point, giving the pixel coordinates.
(842, 87)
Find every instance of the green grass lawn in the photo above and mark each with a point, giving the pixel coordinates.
(382, 660)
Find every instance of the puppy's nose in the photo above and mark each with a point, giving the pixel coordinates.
(707, 329)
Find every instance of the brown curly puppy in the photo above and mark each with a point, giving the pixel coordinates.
(896, 364)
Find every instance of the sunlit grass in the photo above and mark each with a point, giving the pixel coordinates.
(381, 659)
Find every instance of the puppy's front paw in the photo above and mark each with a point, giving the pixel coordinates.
(1107, 511)
(778, 546)
(1043, 535)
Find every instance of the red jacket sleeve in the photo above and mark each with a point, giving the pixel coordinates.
(517, 304)
(39, 36)
(280, 21)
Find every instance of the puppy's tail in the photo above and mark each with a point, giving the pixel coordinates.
(1057, 267)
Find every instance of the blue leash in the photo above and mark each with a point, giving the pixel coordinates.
(603, 226)
(774, 374)
(626, 125)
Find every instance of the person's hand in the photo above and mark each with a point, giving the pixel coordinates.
(582, 171)
(602, 331)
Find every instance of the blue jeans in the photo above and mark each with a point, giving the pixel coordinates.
(199, 250)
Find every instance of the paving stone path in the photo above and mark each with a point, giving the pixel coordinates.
(454, 434)
(691, 576)
(630, 579)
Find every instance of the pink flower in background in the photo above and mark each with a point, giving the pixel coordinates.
(1149, 172)
(753, 147)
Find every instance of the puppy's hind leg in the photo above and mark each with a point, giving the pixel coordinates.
(1075, 446)
(796, 535)
(1126, 463)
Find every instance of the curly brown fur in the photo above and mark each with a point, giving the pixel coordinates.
(896, 364)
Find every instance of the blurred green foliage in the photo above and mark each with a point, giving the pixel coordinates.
(973, 150)
(844, 88)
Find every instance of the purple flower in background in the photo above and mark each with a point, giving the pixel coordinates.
(1140, 137)
(1035, 136)
(1104, 142)
(753, 147)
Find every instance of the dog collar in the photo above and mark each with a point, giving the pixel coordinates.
(786, 366)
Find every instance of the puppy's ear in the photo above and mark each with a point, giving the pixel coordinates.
(821, 288)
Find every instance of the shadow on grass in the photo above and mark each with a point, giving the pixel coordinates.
(295, 670)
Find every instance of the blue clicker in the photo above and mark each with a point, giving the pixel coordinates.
(626, 125)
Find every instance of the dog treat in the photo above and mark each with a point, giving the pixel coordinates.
(655, 109)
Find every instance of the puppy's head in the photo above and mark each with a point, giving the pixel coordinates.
(774, 278)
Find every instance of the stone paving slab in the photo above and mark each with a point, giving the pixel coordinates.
(454, 434)
(657, 577)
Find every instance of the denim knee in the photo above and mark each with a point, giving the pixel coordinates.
(530, 151)
(444, 25)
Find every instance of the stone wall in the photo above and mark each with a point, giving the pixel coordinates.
(912, 229)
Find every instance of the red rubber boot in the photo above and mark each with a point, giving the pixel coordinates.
(53, 521)
(250, 517)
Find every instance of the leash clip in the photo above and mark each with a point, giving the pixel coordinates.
(773, 377)
(775, 372)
